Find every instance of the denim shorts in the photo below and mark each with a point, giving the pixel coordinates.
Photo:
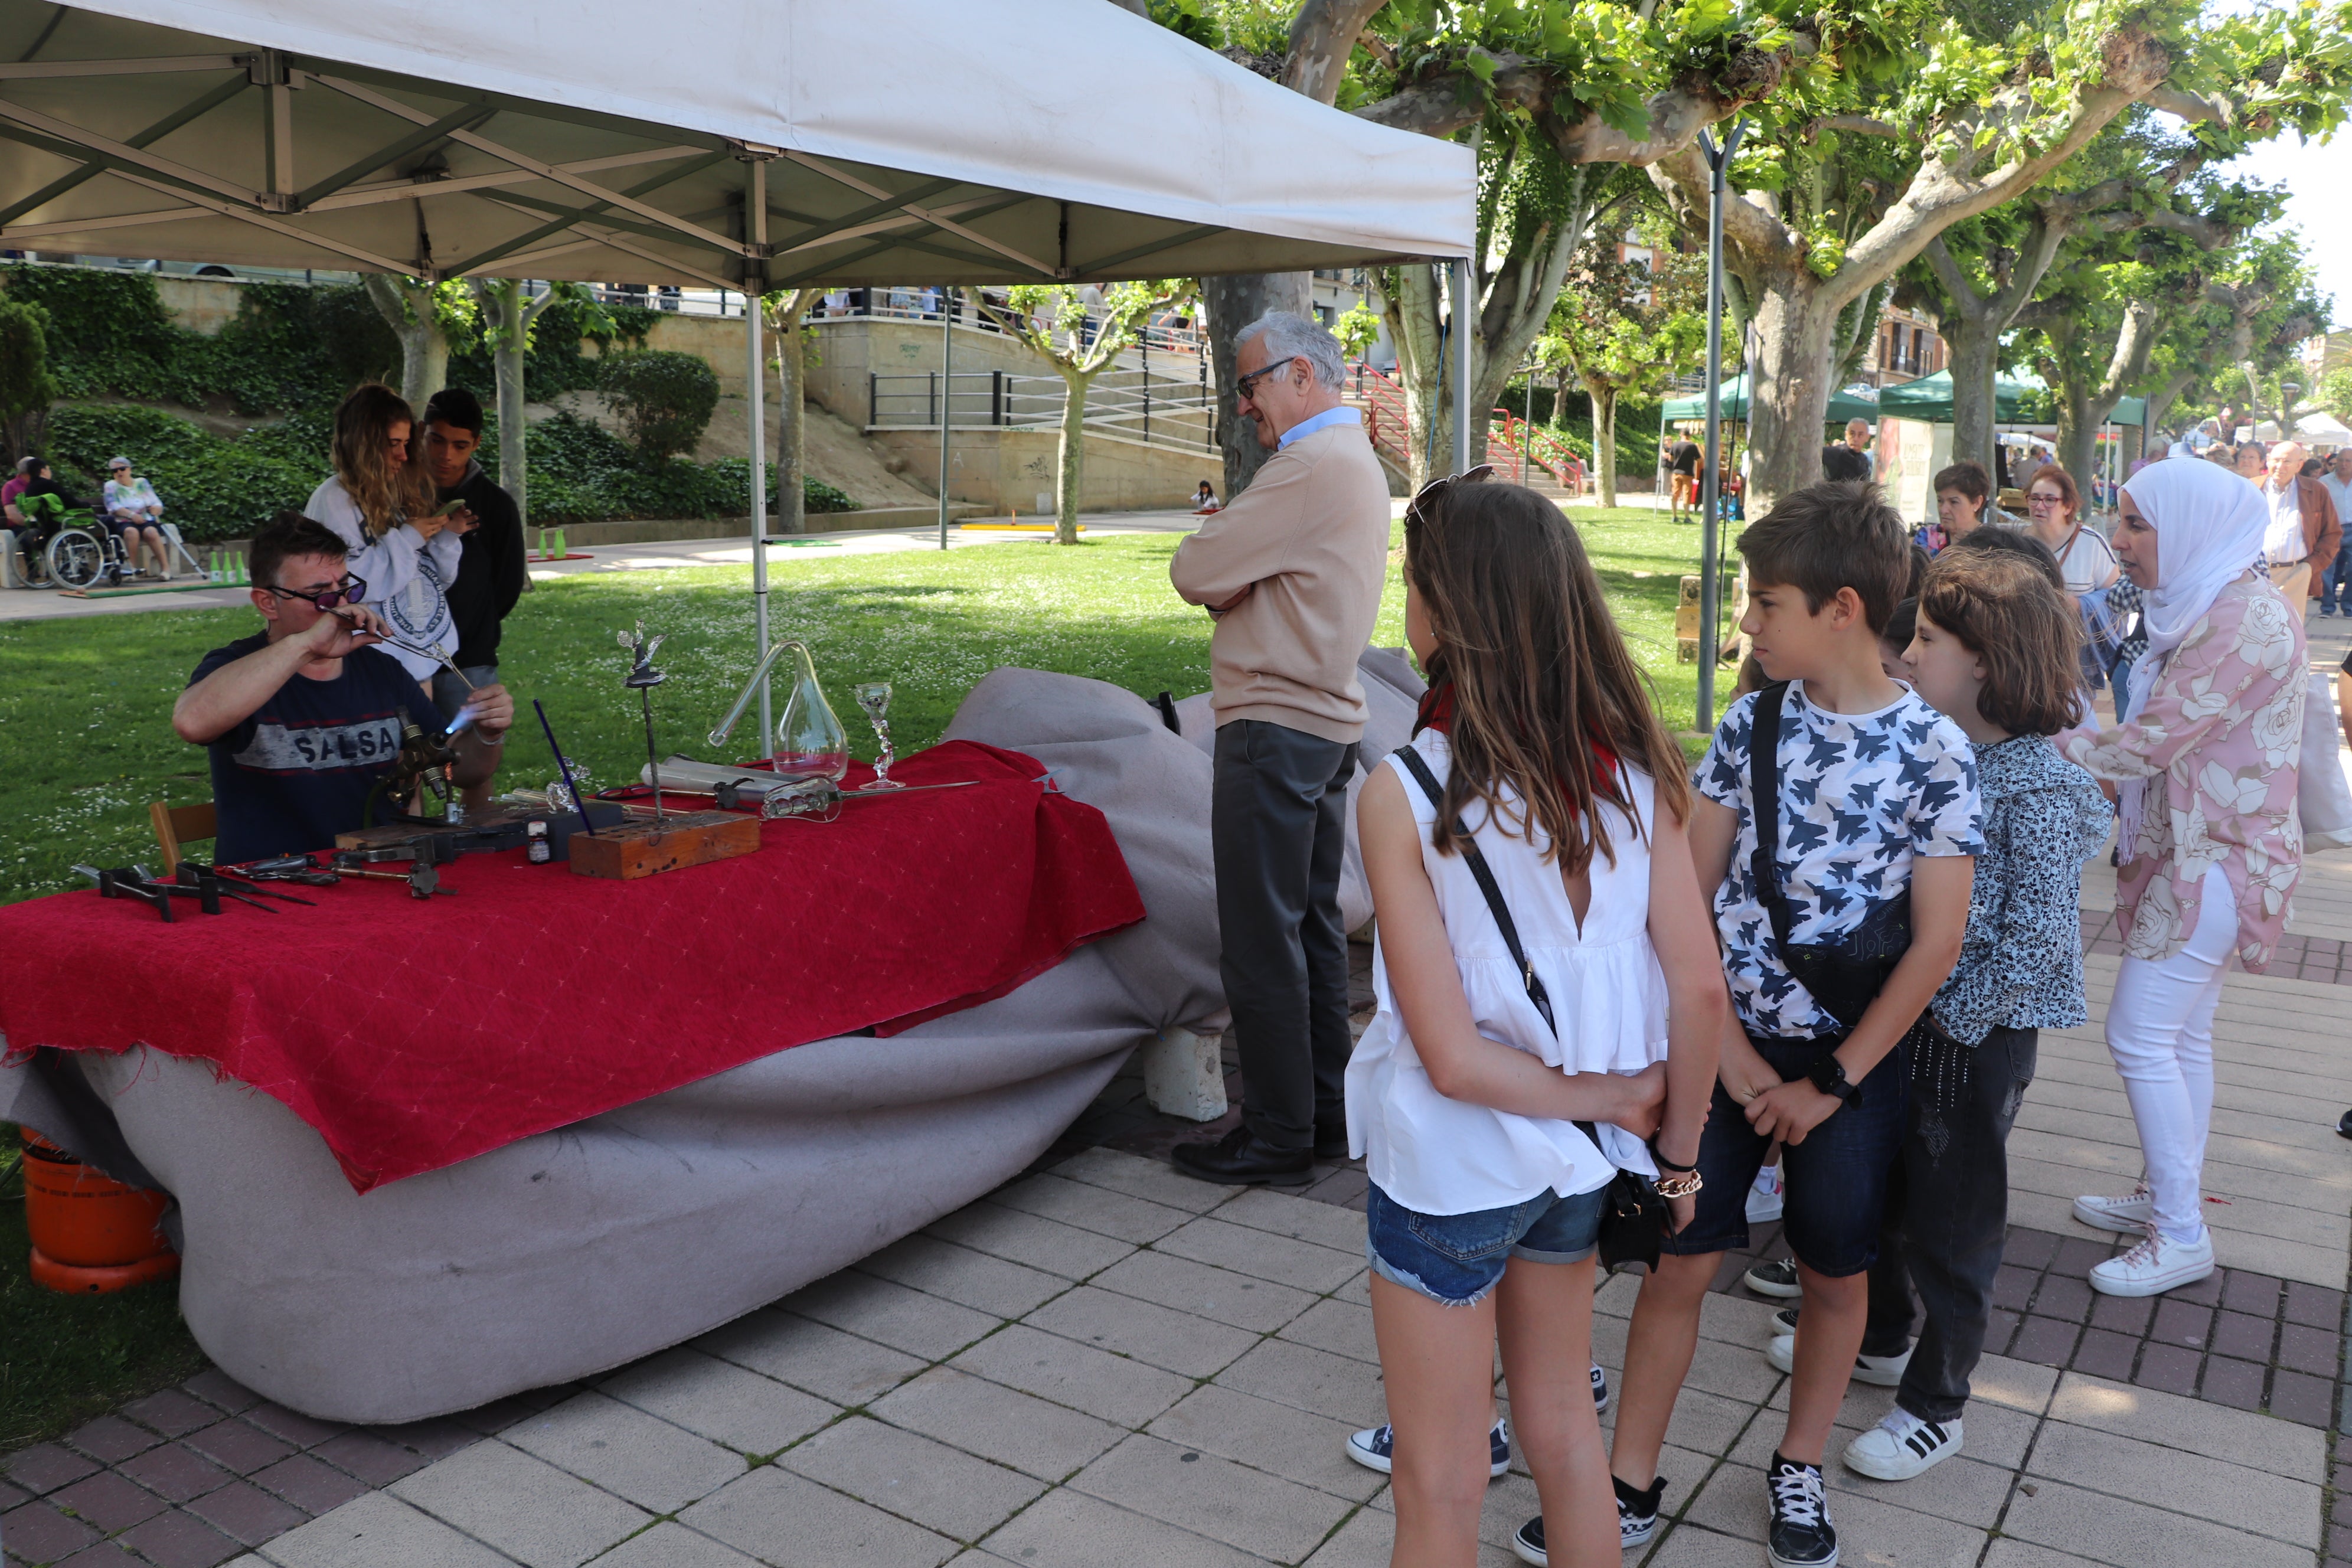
(1835, 1181)
(1456, 1259)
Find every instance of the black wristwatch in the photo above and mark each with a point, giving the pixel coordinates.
(1828, 1075)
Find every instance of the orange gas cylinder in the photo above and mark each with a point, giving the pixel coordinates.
(89, 1233)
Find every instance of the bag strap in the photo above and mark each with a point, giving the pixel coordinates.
(1486, 885)
(1764, 806)
(1493, 892)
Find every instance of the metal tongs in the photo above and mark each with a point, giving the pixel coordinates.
(822, 798)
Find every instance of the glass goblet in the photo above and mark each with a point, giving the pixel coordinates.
(874, 701)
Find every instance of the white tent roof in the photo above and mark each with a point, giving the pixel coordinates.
(2323, 427)
(891, 140)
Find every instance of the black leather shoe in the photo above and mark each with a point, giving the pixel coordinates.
(1241, 1159)
(1333, 1146)
(2343, 1125)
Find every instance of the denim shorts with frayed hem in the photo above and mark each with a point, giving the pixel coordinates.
(1455, 1259)
(1835, 1181)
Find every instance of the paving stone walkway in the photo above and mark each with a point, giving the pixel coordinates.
(1103, 1363)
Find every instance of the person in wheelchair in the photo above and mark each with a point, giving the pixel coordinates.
(137, 514)
(44, 507)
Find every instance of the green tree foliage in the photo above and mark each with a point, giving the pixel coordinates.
(1628, 328)
(26, 387)
(665, 399)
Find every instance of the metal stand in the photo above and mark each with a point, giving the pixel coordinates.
(755, 284)
(1710, 555)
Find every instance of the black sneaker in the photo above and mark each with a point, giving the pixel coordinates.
(1637, 1509)
(1600, 1390)
(1801, 1535)
(1637, 1520)
(1374, 1448)
(1776, 1277)
(1784, 1321)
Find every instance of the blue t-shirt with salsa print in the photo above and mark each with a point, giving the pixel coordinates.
(1861, 795)
(300, 768)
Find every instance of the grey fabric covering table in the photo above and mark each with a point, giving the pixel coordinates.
(575, 1251)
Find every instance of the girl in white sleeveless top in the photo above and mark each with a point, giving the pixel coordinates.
(1486, 1199)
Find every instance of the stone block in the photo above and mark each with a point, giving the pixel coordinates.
(522, 1506)
(627, 1452)
(1261, 1255)
(997, 1423)
(1155, 1335)
(1094, 1382)
(900, 1316)
(1153, 1180)
(1185, 1074)
(1089, 1207)
(2118, 1531)
(987, 1284)
(1308, 1379)
(809, 1356)
(1206, 1291)
(1279, 1439)
(378, 1530)
(790, 1521)
(1065, 1251)
(1067, 1529)
(1247, 1508)
(913, 1476)
(720, 1401)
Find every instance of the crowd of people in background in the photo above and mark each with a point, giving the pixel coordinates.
(1884, 844)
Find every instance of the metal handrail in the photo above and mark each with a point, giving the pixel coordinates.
(1126, 402)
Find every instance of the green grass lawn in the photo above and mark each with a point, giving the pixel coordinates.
(86, 742)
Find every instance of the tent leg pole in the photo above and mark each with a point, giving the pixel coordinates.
(946, 396)
(759, 453)
(1710, 483)
(1462, 366)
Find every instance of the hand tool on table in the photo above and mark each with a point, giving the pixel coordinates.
(209, 885)
(119, 883)
(302, 869)
(265, 893)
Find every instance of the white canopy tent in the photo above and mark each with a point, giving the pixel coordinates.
(749, 145)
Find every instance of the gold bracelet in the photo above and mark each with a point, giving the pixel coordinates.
(1681, 1187)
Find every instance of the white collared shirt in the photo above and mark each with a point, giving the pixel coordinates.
(2283, 542)
(1343, 415)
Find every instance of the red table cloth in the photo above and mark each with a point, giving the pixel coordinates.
(415, 1035)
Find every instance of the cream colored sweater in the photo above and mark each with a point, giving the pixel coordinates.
(1309, 541)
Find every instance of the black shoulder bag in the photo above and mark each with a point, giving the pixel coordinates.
(1843, 974)
(1633, 1217)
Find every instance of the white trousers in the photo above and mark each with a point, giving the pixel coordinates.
(2160, 1032)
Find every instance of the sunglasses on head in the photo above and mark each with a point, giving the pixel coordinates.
(1416, 512)
(347, 592)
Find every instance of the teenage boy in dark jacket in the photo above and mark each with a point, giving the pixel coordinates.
(491, 574)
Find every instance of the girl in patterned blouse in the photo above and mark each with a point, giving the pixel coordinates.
(1994, 649)
(2206, 760)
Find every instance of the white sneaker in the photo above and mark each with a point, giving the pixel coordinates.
(1902, 1445)
(2127, 1217)
(1883, 1370)
(1764, 1198)
(2157, 1265)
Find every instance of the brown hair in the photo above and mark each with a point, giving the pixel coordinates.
(387, 497)
(2014, 541)
(1840, 533)
(2066, 491)
(287, 535)
(1967, 477)
(2006, 613)
(1541, 675)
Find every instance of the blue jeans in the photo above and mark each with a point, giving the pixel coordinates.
(2335, 582)
(1836, 1179)
(1456, 1259)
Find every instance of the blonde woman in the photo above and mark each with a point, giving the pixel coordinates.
(382, 505)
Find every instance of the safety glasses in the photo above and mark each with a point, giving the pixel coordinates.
(347, 592)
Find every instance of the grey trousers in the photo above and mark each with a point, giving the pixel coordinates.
(1948, 1215)
(1277, 820)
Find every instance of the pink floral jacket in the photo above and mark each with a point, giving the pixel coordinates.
(2218, 742)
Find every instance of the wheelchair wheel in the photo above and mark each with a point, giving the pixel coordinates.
(77, 558)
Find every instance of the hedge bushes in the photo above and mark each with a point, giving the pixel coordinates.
(215, 487)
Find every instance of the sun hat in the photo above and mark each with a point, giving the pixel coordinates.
(114, 463)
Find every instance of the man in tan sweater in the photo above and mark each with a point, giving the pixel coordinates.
(1292, 570)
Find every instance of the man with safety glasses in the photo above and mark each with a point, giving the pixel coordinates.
(303, 719)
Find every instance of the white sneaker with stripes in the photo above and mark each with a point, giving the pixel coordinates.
(1902, 1445)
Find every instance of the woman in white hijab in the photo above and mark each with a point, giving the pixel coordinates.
(2205, 761)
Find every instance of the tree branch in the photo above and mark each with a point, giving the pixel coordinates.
(1761, 239)
(1860, 124)
(1322, 36)
(2191, 106)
